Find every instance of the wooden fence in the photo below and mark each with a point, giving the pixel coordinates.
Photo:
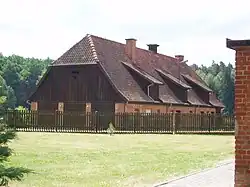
(123, 122)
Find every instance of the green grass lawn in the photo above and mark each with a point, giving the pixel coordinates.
(120, 160)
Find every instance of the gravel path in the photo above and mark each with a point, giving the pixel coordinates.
(221, 176)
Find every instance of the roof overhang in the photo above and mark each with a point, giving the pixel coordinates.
(75, 64)
(143, 74)
(174, 79)
(236, 44)
(161, 102)
(216, 105)
(40, 82)
(198, 83)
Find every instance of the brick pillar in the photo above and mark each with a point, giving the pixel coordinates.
(61, 106)
(34, 106)
(242, 111)
(88, 107)
(120, 107)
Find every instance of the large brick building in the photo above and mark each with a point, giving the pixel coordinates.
(98, 74)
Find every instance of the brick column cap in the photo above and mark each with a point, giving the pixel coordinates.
(236, 44)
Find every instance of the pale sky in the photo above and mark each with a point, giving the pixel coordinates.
(196, 29)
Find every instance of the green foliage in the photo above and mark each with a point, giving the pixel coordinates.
(220, 78)
(8, 174)
(21, 108)
(2, 99)
(18, 78)
(11, 174)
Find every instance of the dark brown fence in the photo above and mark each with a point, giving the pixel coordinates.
(123, 122)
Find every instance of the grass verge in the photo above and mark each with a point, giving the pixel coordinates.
(121, 160)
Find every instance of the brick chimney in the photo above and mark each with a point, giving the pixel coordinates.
(130, 48)
(242, 111)
(179, 57)
(153, 47)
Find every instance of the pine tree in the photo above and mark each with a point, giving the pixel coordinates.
(8, 174)
(227, 90)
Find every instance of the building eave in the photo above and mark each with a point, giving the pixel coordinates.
(235, 44)
(198, 83)
(173, 79)
(75, 64)
(150, 78)
(39, 83)
(112, 83)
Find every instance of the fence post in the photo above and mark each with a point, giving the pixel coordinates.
(134, 121)
(96, 121)
(209, 125)
(56, 119)
(173, 123)
(14, 118)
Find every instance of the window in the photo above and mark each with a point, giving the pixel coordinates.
(75, 73)
(190, 111)
(148, 111)
(178, 111)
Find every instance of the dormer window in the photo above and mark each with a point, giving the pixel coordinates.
(148, 83)
(201, 90)
(179, 87)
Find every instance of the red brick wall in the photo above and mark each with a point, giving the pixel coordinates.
(122, 107)
(242, 112)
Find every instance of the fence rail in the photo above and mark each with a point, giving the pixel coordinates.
(47, 121)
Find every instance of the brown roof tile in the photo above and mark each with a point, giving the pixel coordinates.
(173, 79)
(81, 52)
(198, 83)
(142, 73)
(113, 59)
(215, 101)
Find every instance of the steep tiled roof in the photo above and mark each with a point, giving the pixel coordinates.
(198, 83)
(173, 79)
(111, 56)
(214, 101)
(81, 52)
(142, 73)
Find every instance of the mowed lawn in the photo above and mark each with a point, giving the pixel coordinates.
(120, 160)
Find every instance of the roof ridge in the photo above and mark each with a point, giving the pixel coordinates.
(164, 55)
(92, 47)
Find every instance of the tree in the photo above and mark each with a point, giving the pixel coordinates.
(3, 95)
(220, 78)
(20, 76)
(8, 174)
(227, 90)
